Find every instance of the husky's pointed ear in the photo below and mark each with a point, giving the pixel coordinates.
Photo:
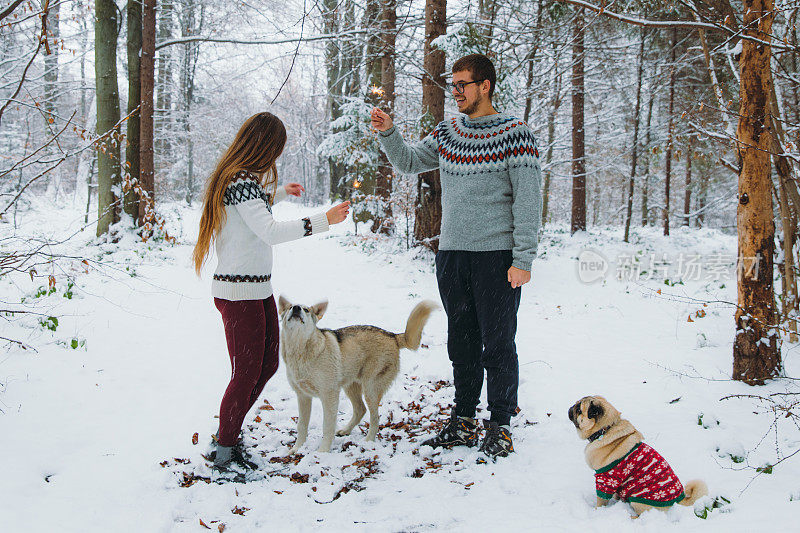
(283, 304)
(319, 309)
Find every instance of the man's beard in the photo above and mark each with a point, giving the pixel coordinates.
(474, 106)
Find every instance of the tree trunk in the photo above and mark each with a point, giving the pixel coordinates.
(555, 103)
(789, 209)
(334, 87)
(670, 129)
(635, 143)
(487, 12)
(351, 53)
(192, 16)
(646, 149)
(163, 108)
(529, 59)
(51, 19)
(86, 162)
(366, 204)
(384, 222)
(702, 195)
(84, 48)
(51, 61)
(687, 198)
(578, 222)
(147, 112)
(130, 203)
(789, 310)
(795, 88)
(428, 214)
(756, 355)
(108, 162)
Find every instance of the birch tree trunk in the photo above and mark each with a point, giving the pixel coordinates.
(756, 355)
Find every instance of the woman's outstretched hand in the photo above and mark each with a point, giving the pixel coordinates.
(380, 120)
(294, 189)
(338, 213)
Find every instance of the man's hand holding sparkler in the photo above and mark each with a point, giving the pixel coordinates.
(380, 120)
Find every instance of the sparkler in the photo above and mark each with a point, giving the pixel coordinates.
(377, 91)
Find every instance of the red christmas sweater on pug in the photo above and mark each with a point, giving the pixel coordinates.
(642, 476)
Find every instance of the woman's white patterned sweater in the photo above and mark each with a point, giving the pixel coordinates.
(244, 243)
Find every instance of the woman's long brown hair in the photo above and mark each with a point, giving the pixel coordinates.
(255, 149)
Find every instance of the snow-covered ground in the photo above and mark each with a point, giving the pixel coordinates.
(99, 437)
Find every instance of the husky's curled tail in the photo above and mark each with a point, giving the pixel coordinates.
(410, 339)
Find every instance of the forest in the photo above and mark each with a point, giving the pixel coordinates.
(662, 128)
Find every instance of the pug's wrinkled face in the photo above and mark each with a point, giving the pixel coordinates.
(299, 319)
(592, 413)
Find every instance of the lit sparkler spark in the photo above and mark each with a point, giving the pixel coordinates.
(356, 184)
(376, 91)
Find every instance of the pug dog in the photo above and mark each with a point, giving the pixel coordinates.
(625, 466)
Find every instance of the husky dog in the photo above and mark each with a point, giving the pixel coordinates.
(362, 360)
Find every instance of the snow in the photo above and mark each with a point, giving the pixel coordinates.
(85, 430)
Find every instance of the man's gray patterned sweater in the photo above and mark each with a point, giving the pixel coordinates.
(491, 182)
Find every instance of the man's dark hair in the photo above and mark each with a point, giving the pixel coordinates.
(481, 68)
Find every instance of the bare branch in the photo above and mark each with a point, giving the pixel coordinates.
(20, 344)
(22, 79)
(664, 24)
(197, 38)
(7, 11)
(65, 157)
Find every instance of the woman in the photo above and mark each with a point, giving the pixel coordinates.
(237, 217)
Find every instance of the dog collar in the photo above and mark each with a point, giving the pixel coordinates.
(598, 434)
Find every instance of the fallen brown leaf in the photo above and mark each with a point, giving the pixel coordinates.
(297, 477)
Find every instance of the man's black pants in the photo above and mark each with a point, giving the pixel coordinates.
(481, 312)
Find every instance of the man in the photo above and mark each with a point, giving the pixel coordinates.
(491, 213)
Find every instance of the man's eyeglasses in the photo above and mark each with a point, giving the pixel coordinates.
(459, 85)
